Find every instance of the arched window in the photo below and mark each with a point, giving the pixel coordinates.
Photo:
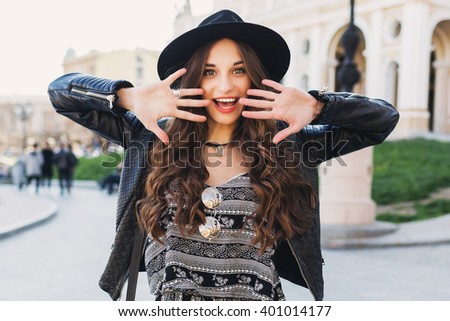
(304, 82)
(139, 70)
(392, 83)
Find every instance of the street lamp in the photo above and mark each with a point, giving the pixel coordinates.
(347, 210)
(348, 74)
(23, 112)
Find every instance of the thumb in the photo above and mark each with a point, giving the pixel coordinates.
(161, 134)
(282, 135)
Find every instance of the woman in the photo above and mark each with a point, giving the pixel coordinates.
(220, 173)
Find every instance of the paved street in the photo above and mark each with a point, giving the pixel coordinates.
(63, 259)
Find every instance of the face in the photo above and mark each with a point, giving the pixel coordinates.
(224, 81)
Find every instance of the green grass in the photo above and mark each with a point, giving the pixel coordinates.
(409, 170)
(96, 168)
(425, 211)
(403, 170)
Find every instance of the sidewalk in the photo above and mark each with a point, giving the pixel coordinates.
(380, 234)
(20, 210)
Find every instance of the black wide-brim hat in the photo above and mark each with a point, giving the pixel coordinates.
(270, 47)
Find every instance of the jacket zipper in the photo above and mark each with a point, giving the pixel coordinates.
(300, 268)
(121, 284)
(125, 276)
(111, 98)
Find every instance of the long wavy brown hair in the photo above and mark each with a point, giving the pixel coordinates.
(178, 170)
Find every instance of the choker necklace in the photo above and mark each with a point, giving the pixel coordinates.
(218, 147)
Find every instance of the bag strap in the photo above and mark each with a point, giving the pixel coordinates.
(138, 244)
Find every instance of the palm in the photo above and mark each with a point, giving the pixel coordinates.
(293, 106)
(155, 101)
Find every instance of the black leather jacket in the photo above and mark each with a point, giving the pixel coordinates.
(348, 122)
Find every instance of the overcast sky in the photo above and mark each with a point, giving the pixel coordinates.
(35, 34)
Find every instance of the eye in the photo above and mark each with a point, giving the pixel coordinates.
(209, 72)
(239, 71)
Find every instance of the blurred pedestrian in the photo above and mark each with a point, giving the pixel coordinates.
(73, 162)
(47, 167)
(4, 170)
(18, 174)
(65, 162)
(33, 166)
(111, 180)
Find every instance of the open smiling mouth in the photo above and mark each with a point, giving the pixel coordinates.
(225, 105)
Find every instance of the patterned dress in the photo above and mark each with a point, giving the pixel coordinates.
(227, 267)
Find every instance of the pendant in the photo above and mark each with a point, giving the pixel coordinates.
(210, 229)
(211, 197)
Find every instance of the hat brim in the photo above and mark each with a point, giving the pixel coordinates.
(270, 47)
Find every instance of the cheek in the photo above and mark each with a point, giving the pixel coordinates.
(246, 84)
(206, 84)
(206, 91)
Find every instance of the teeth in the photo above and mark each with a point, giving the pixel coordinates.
(226, 100)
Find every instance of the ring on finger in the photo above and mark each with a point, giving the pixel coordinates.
(176, 92)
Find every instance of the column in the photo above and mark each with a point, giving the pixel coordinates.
(414, 69)
(316, 50)
(346, 183)
(441, 105)
(374, 74)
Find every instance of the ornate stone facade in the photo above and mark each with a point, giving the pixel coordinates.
(403, 57)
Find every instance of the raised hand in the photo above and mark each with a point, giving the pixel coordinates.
(155, 101)
(291, 105)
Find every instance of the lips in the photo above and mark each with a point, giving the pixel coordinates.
(225, 105)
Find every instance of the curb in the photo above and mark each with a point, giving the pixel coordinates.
(85, 184)
(405, 235)
(20, 226)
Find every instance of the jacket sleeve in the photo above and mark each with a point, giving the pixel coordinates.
(90, 101)
(347, 122)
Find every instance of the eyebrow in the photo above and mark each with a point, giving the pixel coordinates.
(235, 64)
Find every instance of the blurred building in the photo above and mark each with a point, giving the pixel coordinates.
(403, 56)
(26, 119)
(137, 66)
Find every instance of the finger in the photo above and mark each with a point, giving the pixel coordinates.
(177, 74)
(182, 114)
(161, 134)
(273, 84)
(191, 92)
(256, 103)
(258, 114)
(262, 93)
(193, 102)
(282, 134)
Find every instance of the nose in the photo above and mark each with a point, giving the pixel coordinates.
(225, 83)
